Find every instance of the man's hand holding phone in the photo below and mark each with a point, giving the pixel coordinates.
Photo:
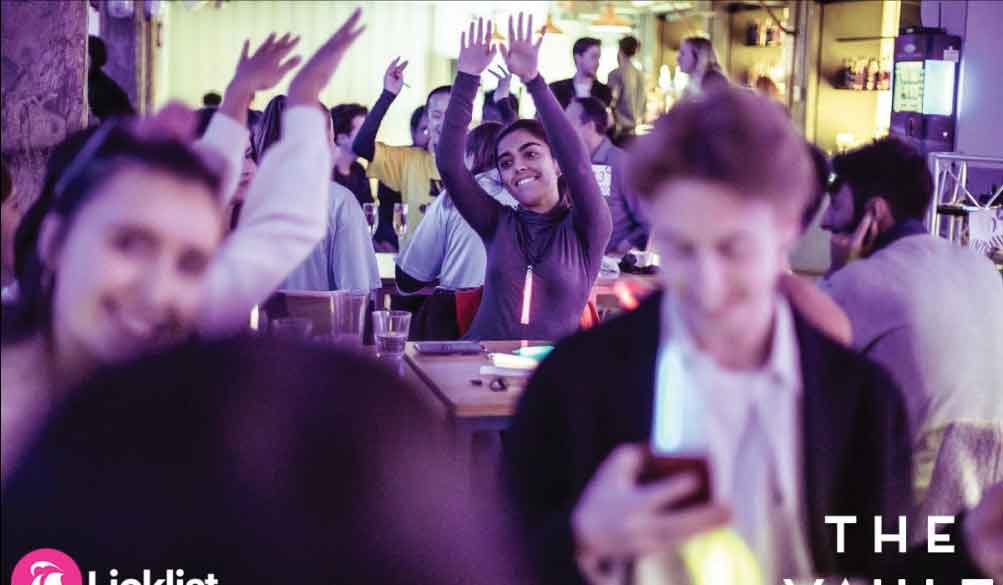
(618, 517)
(859, 243)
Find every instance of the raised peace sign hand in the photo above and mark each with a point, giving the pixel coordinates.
(393, 79)
(476, 50)
(522, 55)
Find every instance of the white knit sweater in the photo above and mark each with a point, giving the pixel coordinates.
(283, 217)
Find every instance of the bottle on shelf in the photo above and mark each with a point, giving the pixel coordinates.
(885, 75)
(843, 79)
(873, 72)
(859, 73)
(770, 34)
(761, 41)
(752, 33)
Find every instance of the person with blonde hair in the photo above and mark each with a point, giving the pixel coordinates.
(698, 59)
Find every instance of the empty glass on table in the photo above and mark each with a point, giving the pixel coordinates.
(348, 316)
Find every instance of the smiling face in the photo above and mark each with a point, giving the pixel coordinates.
(130, 272)
(528, 170)
(587, 63)
(724, 272)
(436, 114)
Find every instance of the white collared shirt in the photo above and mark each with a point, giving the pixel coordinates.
(700, 406)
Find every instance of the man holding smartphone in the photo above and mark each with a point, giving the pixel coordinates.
(793, 425)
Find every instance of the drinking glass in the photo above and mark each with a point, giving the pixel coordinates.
(390, 329)
(372, 217)
(292, 328)
(400, 219)
(348, 316)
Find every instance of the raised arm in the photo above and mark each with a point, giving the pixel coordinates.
(285, 212)
(227, 133)
(475, 205)
(589, 212)
(393, 80)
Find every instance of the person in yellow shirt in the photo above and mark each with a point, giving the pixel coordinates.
(409, 170)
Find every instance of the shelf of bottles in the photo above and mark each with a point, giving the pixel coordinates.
(864, 74)
(764, 34)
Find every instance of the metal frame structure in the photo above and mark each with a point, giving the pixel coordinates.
(951, 198)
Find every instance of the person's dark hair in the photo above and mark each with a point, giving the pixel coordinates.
(887, 168)
(729, 136)
(97, 52)
(490, 111)
(439, 90)
(481, 146)
(584, 44)
(593, 110)
(73, 174)
(260, 462)
(416, 117)
(8, 183)
(342, 116)
(629, 45)
(270, 128)
(212, 100)
(204, 117)
(821, 185)
(532, 126)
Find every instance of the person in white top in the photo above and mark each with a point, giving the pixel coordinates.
(132, 248)
(444, 250)
(344, 259)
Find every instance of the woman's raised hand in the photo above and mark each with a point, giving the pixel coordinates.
(476, 50)
(266, 68)
(522, 55)
(305, 88)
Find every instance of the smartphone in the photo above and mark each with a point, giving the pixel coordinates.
(660, 466)
(448, 347)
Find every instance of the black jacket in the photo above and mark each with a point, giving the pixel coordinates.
(564, 91)
(596, 391)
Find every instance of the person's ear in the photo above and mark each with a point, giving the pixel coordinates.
(48, 242)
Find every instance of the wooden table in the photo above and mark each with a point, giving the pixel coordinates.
(470, 408)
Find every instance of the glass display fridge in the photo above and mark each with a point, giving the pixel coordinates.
(925, 88)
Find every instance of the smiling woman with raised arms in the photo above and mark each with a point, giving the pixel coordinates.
(544, 256)
(130, 250)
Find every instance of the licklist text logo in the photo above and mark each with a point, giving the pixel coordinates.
(48, 566)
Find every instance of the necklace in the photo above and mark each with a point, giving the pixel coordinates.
(548, 223)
